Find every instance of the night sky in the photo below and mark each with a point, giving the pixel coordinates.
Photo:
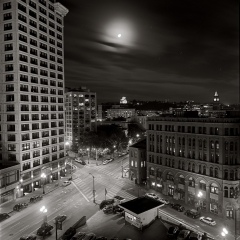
(169, 49)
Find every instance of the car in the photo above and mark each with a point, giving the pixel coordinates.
(173, 232)
(60, 218)
(105, 162)
(101, 238)
(109, 159)
(79, 236)
(184, 234)
(19, 206)
(195, 236)
(208, 220)
(4, 216)
(119, 199)
(66, 183)
(45, 229)
(178, 207)
(108, 209)
(192, 213)
(152, 195)
(125, 170)
(35, 198)
(106, 202)
(90, 236)
(165, 201)
(80, 161)
(29, 237)
(69, 233)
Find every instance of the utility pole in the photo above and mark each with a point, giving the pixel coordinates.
(93, 189)
(122, 167)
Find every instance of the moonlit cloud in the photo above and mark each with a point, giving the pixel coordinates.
(177, 50)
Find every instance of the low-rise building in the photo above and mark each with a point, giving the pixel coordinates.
(137, 162)
(9, 182)
(141, 211)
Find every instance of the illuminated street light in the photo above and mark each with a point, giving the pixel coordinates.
(44, 211)
(43, 176)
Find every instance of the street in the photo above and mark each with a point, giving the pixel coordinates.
(76, 201)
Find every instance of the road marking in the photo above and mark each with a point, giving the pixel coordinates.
(23, 228)
(80, 191)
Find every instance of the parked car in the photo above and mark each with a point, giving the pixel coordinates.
(178, 207)
(105, 162)
(90, 236)
(66, 183)
(79, 236)
(192, 213)
(35, 198)
(60, 218)
(19, 206)
(106, 202)
(184, 234)
(195, 236)
(109, 159)
(69, 233)
(152, 195)
(208, 220)
(108, 209)
(29, 237)
(4, 216)
(45, 229)
(80, 161)
(165, 201)
(101, 238)
(173, 232)
(119, 199)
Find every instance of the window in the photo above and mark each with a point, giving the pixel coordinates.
(8, 47)
(7, 27)
(7, 5)
(8, 37)
(8, 57)
(10, 98)
(25, 146)
(214, 188)
(22, 28)
(7, 16)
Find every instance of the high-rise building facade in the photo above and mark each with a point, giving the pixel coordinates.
(196, 160)
(32, 88)
(80, 112)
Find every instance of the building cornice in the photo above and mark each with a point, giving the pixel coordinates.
(63, 11)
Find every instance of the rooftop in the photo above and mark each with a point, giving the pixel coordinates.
(141, 204)
(140, 144)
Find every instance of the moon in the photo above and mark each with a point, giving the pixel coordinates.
(119, 35)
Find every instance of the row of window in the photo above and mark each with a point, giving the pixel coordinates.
(192, 129)
(202, 169)
(34, 117)
(34, 98)
(24, 78)
(35, 89)
(36, 126)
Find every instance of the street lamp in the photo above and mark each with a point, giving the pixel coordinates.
(43, 176)
(93, 189)
(88, 154)
(199, 196)
(224, 232)
(44, 211)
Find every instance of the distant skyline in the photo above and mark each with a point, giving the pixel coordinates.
(176, 50)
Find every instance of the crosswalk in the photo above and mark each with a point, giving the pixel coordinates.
(117, 171)
(100, 186)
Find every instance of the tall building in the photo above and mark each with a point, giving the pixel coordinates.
(192, 157)
(32, 89)
(80, 111)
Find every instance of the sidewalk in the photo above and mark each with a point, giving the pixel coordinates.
(8, 206)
